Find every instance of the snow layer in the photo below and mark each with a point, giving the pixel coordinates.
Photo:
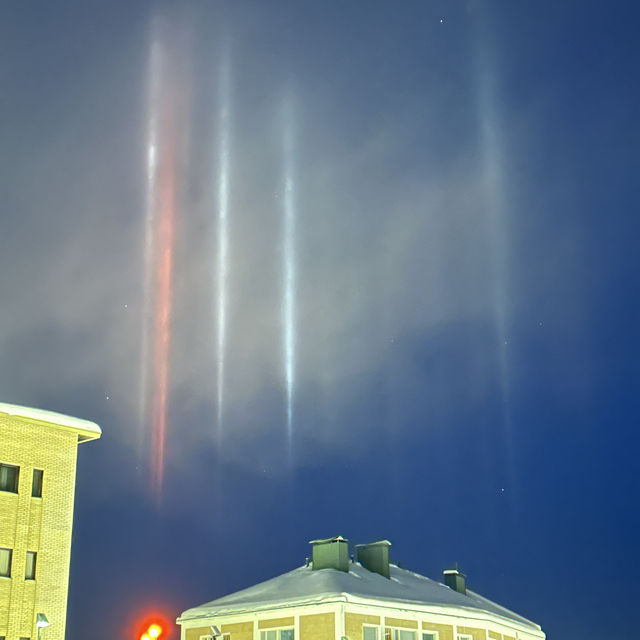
(54, 418)
(305, 586)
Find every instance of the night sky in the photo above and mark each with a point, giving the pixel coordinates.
(465, 304)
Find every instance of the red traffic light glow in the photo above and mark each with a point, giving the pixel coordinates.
(152, 628)
(152, 632)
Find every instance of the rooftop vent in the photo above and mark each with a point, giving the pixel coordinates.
(330, 553)
(455, 579)
(375, 557)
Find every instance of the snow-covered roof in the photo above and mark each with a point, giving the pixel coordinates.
(306, 586)
(85, 429)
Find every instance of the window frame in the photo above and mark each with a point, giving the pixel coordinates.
(376, 627)
(7, 575)
(397, 630)
(33, 483)
(34, 566)
(17, 480)
(278, 631)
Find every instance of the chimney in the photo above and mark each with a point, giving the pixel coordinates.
(375, 557)
(330, 553)
(455, 579)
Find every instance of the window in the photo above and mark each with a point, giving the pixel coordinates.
(430, 635)
(399, 634)
(9, 478)
(36, 487)
(5, 562)
(369, 633)
(465, 637)
(30, 570)
(277, 634)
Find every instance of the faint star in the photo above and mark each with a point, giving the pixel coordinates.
(441, 20)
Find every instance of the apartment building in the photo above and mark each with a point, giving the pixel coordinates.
(336, 596)
(38, 451)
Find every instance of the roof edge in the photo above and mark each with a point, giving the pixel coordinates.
(319, 598)
(85, 429)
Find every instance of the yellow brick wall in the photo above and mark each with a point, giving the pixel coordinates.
(8, 519)
(239, 630)
(276, 622)
(323, 627)
(320, 626)
(37, 524)
(8, 514)
(445, 631)
(353, 624)
(400, 622)
(194, 634)
(477, 634)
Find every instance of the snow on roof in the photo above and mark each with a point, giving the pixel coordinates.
(86, 429)
(326, 540)
(305, 586)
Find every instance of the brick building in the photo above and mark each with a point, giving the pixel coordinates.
(38, 451)
(335, 597)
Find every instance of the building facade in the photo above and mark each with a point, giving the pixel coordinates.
(335, 597)
(38, 451)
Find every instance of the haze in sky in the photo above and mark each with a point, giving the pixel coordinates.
(366, 269)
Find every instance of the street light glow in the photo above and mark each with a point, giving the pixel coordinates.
(153, 631)
(41, 621)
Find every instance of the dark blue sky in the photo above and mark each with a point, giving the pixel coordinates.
(466, 296)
